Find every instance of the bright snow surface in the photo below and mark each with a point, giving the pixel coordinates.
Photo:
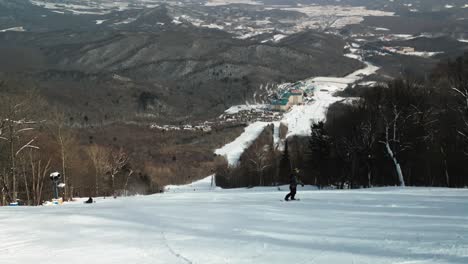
(233, 151)
(199, 225)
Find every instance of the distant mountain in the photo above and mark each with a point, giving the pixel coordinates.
(193, 72)
(169, 62)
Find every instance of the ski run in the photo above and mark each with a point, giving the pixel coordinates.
(198, 224)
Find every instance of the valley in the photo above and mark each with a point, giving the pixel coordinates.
(209, 70)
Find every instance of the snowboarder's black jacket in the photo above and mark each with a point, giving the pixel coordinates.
(294, 181)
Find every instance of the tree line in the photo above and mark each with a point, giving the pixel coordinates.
(36, 140)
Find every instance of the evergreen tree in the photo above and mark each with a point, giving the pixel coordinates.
(319, 145)
(285, 165)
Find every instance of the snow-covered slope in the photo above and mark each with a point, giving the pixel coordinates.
(206, 184)
(234, 150)
(388, 225)
(301, 117)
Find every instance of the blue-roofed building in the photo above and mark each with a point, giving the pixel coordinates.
(288, 99)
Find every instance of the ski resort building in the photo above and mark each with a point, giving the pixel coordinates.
(280, 105)
(288, 99)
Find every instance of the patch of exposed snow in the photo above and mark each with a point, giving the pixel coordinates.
(15, 29)
(411, 52)
(213, 26)
(381, 29)
(206, 184)
(275, 38)
(276, 136)
(351, 100)
(126, 21)
(239, 108)
(249, 35)
(121, 78)
(94, 7)
(231, 2)
(392, 37)
(424, 54)
(176, 21)
(278, 37)
(353, 56)
(334, 16)
(369, 83)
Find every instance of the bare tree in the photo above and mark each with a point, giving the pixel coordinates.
(462, 93)
(39, 172)
(116, 161)
(67, 143)
(4, 187)
(392, 140)
(17, 122)
(98, 156)
(261, 160)
(130, 173)
(367, 143)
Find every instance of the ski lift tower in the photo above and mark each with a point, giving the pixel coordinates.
(55, 177)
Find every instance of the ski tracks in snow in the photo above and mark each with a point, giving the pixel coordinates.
(173, 252)
(153, 254)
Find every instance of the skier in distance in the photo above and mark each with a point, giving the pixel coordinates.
(294, 181)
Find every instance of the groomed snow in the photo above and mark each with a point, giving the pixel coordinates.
(250, 107)
(278, 37)
(16, 29)
(234, 150)
(231, 2)
(301, 117)
(206, 184)
(424, 54)
(381, 29)
(383, 225)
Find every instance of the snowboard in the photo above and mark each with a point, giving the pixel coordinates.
(291, 200)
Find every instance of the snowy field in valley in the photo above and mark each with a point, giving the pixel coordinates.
(194, 224)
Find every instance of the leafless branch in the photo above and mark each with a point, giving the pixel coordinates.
(27, 145)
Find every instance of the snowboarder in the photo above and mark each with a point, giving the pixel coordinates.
(294, 181)
(89, 201)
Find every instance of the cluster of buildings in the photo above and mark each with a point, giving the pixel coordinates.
(400, 50)
(293, 94)
(287, 100)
